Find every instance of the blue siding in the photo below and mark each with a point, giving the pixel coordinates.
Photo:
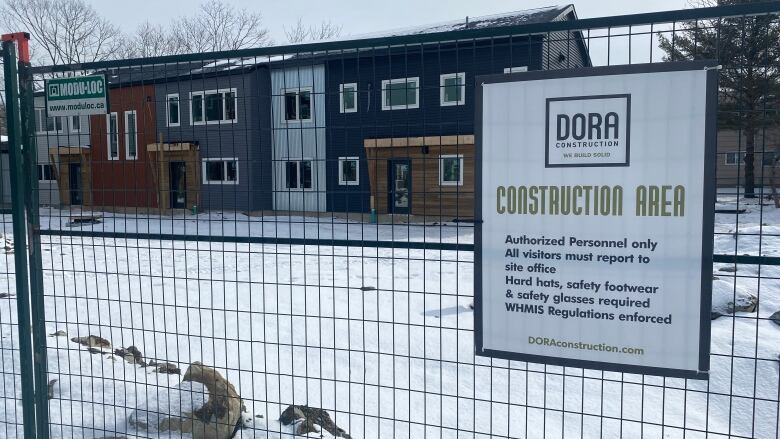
(248, 140)
(346, 131)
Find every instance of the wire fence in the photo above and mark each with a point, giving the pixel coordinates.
(301, 220)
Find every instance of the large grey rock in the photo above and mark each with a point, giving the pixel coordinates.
(775, 317)
(205, 405)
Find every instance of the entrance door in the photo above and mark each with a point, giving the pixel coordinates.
(400, 185)
(178, 172)
(74, 181)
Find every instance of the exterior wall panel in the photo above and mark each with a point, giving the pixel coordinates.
(49, 191)
(299, 140)
(125, 182)
(247, 139)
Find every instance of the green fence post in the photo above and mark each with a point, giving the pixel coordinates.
(26, 104)
(15, 136)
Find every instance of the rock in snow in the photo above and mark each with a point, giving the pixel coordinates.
(132, 355)
(205, 405)
(92, 341)
(308, 418)
(775, 317)
(728, 299)
(176, 402)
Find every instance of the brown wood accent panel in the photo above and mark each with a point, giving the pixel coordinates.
(399, 142)
(63, 175)
(429, 197)
(161, 169)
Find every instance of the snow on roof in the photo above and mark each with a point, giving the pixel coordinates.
(528, 16)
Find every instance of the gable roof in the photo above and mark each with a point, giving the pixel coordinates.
(515, 18)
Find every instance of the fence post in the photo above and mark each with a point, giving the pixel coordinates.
(27, 110)
(17, 168)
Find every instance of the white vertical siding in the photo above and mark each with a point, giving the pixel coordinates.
(299, 140)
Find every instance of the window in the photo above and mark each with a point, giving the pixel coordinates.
(398, 94)
(211, 107)
(75, 124)
(45, 124)
(196, 109)
(297, 105)
(731, 158)
(348, 97)
(453, 89)
(516, 69)
(112, 136)
(298, 174)
(172, 110)
(131, 135)
(349, 171)
(451, 170)
(46, 173)
(220, 171)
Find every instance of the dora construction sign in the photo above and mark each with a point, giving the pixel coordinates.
(595, 217)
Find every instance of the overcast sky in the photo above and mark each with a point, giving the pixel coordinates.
(359, 17)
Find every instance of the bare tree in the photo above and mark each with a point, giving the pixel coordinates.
(302, 32)
(218, 26)
(63, 31)
(149, 40)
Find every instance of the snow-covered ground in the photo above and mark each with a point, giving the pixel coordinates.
(382, 339)
(239, 224)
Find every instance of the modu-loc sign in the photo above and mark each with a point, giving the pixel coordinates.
(80, 95)
(595, 217)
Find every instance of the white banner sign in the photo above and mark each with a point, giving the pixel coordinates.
(76, 96)
(596, 191)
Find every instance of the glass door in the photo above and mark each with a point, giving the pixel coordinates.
(74, 181)
(400, 185)
(178, 185)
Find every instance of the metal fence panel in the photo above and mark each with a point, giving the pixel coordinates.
(300, 219)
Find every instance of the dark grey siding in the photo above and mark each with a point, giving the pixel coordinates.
(247, 140)
(564, 50)
(346, 131)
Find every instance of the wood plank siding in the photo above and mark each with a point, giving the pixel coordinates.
(429, 198)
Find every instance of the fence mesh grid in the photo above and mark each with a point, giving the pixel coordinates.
(301, 220)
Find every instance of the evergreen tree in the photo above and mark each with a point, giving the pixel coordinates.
(748, 48)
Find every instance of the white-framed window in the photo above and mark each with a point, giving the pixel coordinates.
(349, 171)
(451, 170)
(45, 124)
(172, 113)
(112, 136)
(46, 173)
(220, 171)
(131, 135)
(731, 158)
(401, 93)
(75, 124)
(453, 89)
(298, 174)
(516, 69)
(348, 97)
(297, 104)
(213, 107)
